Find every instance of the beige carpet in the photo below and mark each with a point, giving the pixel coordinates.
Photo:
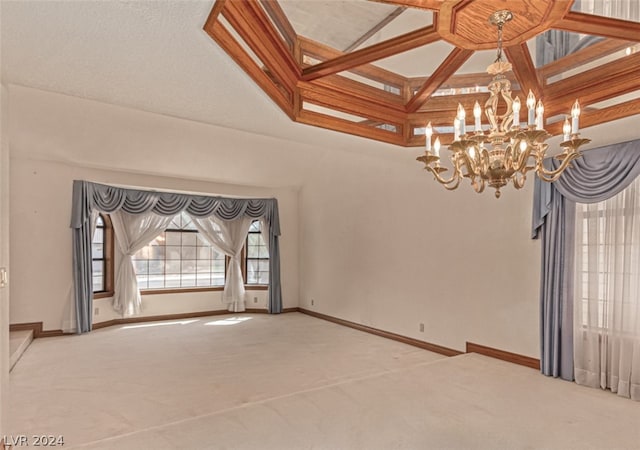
(296, 382)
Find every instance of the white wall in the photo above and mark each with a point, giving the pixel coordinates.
(56, 139)
(379, 242)
(384, 245)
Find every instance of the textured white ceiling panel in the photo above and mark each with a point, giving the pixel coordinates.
(149, 55)
(154, 56)
(336, 23)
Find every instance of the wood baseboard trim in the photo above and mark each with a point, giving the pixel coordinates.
(514, 358)
(36, 327)
(386, 334)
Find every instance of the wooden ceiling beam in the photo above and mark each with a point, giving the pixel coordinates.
(360, 90)
(597, 84)
(390, 47)
(341, 101)
(599, 26)
(323, 52)
(588, 54)
(524, 69)
(280, 20)
(447, 68)
(250, 21)
(345, 126)
(213, 15)
(219, 34)
(599, 116)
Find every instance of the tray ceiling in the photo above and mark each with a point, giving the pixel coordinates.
(383, 69)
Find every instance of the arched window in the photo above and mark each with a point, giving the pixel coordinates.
(102, 255)
(256, 262)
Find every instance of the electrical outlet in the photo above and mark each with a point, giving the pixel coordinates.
(421, 328)
(255, 299)
(96, 311)
(312, 302)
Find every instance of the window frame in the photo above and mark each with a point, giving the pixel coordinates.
(108, 258)
(245, 260)
(180, 290)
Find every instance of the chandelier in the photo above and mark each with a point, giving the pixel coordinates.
(507, 151)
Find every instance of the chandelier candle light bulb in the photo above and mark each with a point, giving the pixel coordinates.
(566, 130)
(531, 104)
(461, 116)
(477, 114)
(428, 132)
(539, 116)
(506, 152)
(516, 112)
(575, 114)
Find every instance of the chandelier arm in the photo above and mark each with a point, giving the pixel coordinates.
(455, 178)
(552, 175)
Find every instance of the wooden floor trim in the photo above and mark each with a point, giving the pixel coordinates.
(36, 327)
(514, 358)
(386, 334)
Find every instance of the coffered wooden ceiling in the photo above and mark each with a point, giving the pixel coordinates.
(353, 90)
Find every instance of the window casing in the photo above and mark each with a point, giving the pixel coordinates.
(256, 261)
(102, 257)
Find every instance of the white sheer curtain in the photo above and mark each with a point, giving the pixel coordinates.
(132, 231)
(607, 294)
(228, 237)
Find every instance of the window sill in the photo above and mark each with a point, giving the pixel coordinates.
(179, 290)
(248, 287)
(107, 294)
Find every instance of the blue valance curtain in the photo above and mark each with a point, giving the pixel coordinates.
(598, 175)
(89, 197)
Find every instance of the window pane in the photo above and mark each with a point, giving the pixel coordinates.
(97, 268)
(204, 280)
(172, 281)
(255, 226)
(188, 252)
(263, 278)
(156, 281)
(253, 239)
(98, 236)
(156, 267)
(97, 284)
(97, 250)
(142, 281)
(140, 266)
(188, 266)
(204, 266)
(173, 266)
(189, 238)
(263, 253)
(204, 252)
(188, 280)
(173, 238)
(173, 252)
